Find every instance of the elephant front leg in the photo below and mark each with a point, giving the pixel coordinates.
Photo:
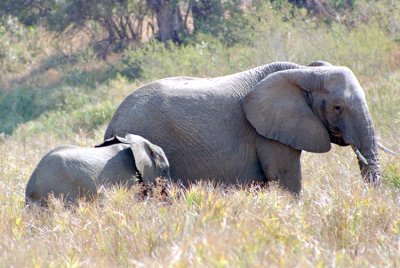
(280, 162)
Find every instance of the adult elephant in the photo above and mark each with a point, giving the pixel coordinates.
(252, 125)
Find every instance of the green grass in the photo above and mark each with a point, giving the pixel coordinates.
(392, 175)
(50, 98)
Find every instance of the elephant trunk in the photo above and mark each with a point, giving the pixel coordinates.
(366, 149)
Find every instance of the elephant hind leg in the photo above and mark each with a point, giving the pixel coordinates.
(282, 163)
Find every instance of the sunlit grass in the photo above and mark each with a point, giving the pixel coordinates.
(337, 220)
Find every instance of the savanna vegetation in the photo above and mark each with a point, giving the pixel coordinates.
(62, 77)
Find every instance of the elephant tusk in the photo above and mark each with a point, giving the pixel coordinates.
(386, 150)
(359, 155)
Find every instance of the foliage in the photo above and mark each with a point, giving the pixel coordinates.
(114, 22)
(28, 12)
(68, 92)
(207, 16)
(223, 19)
(122, 20)
(200, 59)
(14, 45)
(117, 20)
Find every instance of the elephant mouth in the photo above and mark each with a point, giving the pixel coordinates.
(335, 134)
(336, 137)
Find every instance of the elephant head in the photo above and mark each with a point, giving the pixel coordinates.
(150, 159)
(311, 107)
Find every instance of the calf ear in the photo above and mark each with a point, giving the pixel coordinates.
(146, 157)
(145, 161)
(111, 141)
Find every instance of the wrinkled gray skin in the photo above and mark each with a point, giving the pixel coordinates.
(254, 124)
(73, 172)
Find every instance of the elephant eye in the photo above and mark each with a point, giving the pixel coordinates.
(338, 109)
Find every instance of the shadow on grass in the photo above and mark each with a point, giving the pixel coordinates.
(72, 90)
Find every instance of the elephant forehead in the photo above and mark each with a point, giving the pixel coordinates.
(343, 82)
(339, 77)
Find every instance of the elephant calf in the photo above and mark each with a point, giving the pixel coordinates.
(72, 172)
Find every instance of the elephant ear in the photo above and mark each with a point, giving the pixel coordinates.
(111, 141)
(144, 155)
(319, 63)
(277, 108)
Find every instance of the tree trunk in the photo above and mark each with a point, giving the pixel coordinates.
(169, 19)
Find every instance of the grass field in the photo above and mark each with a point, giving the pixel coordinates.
(48, 98)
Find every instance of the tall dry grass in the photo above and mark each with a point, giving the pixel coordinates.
(336, 222)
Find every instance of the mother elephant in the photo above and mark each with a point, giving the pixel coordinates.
(254, 124)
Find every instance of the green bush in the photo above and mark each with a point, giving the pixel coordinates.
(63, 124)
(25, 104)
(391, 175)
